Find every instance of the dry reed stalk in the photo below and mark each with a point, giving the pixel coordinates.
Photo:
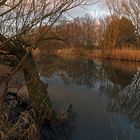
(127, 54)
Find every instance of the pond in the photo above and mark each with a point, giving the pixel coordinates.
(105, 95)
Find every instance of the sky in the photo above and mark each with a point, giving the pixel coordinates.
(97, 10)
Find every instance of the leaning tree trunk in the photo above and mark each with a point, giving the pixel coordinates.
(37, 89)
(38, 95)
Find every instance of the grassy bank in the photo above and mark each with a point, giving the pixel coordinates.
(127, 54)
(72, 52)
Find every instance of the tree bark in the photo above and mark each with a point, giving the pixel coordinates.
(38, 95)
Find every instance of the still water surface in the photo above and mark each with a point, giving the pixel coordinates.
(104, 95)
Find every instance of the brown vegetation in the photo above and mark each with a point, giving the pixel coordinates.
(19, 20)
(25, 25)
(128, 54)
(115, 36)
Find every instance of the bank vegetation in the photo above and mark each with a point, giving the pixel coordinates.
(115, 35)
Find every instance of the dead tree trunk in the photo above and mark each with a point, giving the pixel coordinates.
(38, 95)
(37, 89)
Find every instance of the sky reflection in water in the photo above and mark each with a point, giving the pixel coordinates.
(103, 94)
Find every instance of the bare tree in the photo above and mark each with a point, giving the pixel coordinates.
(132, 11)
(18, 21)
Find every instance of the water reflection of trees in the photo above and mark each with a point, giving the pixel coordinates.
(121, 87)
(79, 71)
(125, 100)
(120, 73)
(118, 82)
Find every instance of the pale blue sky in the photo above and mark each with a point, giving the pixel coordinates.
(96, 10)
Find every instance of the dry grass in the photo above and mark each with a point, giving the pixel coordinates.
(16, 122)
(24, 128)
(62, 118)
(128, 54)
(72, 52)
(19, 124)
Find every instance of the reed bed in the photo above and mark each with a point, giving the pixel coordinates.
(72, 52)
(127, 54)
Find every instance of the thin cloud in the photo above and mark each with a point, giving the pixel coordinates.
(98, 9)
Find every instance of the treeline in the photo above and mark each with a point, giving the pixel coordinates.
(119, 29)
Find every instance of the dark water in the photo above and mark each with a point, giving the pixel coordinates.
(104, 95)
